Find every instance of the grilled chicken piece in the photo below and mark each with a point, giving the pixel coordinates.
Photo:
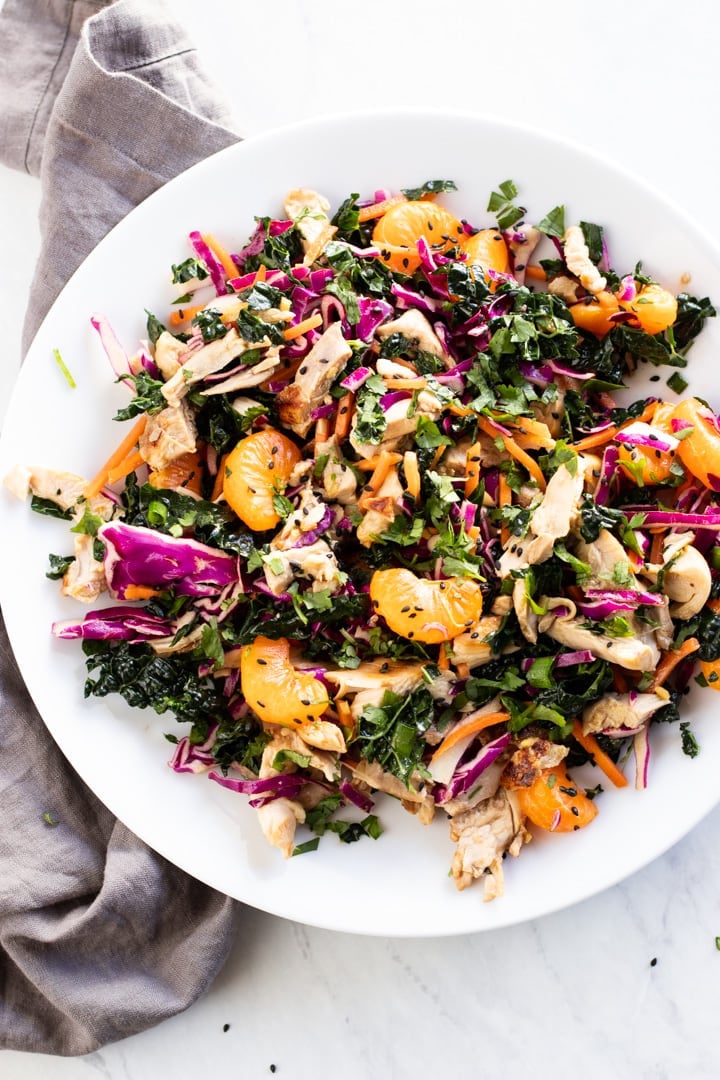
(398, 423)
(382, 509)
(615, 711)
(636, 653)
(84, 578)
(567, 288)
(471, 648)
(605, 557)
(203, 362)
(527, 618)
(324, 735)
(551, 413)
(278, 821)
(373, 677)
(287, 739)
(297, 401)
(522, 242)
(372, 774)
(533, 756)
(314, 561)
(483, 835)
(687, 581)
(553, 518)
(577, 259)
(309, 211)
(338, 481)
(310, 512)
(251, 375)
(415, 327)
(168, 353)
(62, 488)
(167, 435)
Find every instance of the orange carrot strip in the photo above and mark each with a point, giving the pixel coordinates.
(346, 408)
(128, 464)
(531, 434)
(301, 328)
(261, 273)
(670, 660)
(656, 546)
(443, 658)
(383, 467)
(472, 727)
(603, 762)
(459, 410)
(515, 451)
(322, 430)
(184, 314)
(463, 671)
(140, 592)
(221, 254)
(412, 474)
(437, 455)
(130, 440)
(472, 469)
(605, 436)
(371, 464)
(376, 210)
(535, 272)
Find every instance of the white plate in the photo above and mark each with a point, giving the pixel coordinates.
(397, 885)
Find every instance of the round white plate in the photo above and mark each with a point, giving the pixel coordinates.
(397, 885)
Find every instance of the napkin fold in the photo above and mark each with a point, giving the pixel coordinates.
(100, 937)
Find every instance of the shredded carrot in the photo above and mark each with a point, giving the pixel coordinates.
(322, 430)
(301, 328)
(472, 469)
(515, 451)
(531, 434)
(670, 660)
(128, 464)
(183, 314)
(284, 374)
(412, 474)
(418, 383)
(603, 762)
(219, 479)
(221, 254)
(130, 440)
(443, 658)
(474, 535)
(344, 715)
(472, 727)
(346, 408)
(535, 272)
(602, 437)
(261, 273)
(463, 671)
(656, 546)
(386, 462)
(376, 210)
(459, 410)
(504, 498)
(140, 592)
(371, 464)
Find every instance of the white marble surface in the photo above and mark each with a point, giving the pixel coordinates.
(574, 993)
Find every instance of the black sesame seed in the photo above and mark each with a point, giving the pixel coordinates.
(411, 634)
(384, 667)
(654, 378)
(404, 609)
(519, 266)
(323, 360)
(653, 962)
(475, 634)
(261, 704)
(574, 810)
(263, 662)
(303, 370)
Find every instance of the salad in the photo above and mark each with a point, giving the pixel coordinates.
(387, 520)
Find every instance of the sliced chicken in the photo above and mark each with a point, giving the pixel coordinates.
(372, 774)
(62, 488)
(607, 559)
(381, 510)
(636, 653)
(308, 515)
(168, 353)
(401, 420)
(472, 647)
(338, 481)
(251, 375)
(532, 757)
(372, 679)
(278, 821)
(309, 211)
(687, 581)
(527, 618)
(568, 289)
(287, 739)
(483, 835)
(167, 435)
(577, 259)
(297, 401)
(551, 413)
(84, 578)
(614, 711)
(203, 362)
(554, 517)
(315, 561)
(415, 327)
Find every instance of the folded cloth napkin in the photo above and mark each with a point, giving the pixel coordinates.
(99, 936)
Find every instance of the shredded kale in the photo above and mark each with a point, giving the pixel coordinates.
(392, 733)
(59, 565)
(147, 398)
(430, 187)
(189, 270)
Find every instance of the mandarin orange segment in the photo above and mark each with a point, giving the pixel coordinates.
(185, 471)
(488, 249)
(699, 451)
(275, 690)
(654, 308)
(255, 470)
(424, 610)
(555, 803)
(398, 231)
(594, 314)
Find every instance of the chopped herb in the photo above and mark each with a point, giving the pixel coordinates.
(63, 367)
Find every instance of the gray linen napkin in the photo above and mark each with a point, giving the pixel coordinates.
(99, 936)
